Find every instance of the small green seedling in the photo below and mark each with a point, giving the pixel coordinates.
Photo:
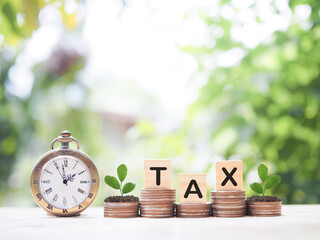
(114, 183)
(267, 182)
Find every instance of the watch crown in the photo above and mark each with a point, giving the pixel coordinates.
(65, 133)
(65, 138)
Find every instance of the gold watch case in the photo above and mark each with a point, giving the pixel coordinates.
(64, 151)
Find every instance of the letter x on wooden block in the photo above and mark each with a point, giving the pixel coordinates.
(157, 174)
(229, 175)
(193, 187)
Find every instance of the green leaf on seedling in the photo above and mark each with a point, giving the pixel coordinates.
(112, 182)
(263, 172)
(122, 172)
(256, 187)
(273, 181)
(128, 187)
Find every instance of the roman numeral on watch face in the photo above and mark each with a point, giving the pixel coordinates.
(48, 191)
(75, 164)
(56, 165)
(55, 198)
(48, 171)
(80, 190)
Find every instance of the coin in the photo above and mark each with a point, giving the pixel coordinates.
(157, 203)
(227, 193)
(121, 209)
(228, 203)
(264, 209)
(193, 210)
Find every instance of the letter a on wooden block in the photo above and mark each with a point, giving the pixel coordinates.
(229, 175)
(157, 174)
(193, 187)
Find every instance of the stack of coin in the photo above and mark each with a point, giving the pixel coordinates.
(193, 210)
(228, 203)
(264, 209)
(157, 203)
(121, 209)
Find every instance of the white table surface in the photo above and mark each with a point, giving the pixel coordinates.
(297, 222)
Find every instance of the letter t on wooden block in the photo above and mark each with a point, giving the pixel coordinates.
(157, 174)
(229, 175)
(193, 187)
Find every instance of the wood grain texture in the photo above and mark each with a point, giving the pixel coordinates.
(234, 169)
(297, 222)
(150, 176)
(184, 182)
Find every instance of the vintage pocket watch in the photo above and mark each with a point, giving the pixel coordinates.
(64, 181)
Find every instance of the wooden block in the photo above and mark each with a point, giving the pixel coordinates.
(229, 175)
(157, 174)
(193, 187)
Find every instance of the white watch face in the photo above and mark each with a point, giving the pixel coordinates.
(65, 182)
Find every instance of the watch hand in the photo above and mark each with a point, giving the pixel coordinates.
(70, 177)
(65, 180)
(63, 172)
(59, 172)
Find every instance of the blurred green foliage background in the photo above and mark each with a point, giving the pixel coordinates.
(263, 108)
